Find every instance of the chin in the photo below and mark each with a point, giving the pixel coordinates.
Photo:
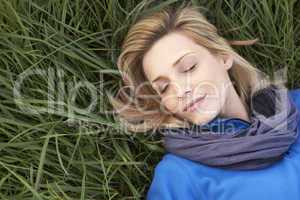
(203, 118)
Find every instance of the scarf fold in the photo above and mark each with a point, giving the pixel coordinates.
(272, 130)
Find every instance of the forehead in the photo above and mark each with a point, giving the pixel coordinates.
(159, 59)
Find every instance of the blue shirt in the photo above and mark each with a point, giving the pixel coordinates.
(179, 178)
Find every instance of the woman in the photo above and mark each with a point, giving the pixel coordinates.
(230, 132)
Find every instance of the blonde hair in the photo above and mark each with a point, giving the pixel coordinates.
(139, 39)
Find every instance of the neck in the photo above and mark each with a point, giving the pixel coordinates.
(233, 107)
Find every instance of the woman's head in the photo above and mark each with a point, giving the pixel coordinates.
(162, 88)
(183, 73)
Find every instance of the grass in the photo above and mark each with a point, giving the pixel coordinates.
(58, 61)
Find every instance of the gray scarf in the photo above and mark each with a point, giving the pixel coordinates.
(273, 129)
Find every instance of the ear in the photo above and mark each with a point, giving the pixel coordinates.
(226, 60)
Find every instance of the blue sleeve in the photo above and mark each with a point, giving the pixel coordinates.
(171, 181)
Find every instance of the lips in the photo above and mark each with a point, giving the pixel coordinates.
(194, 102)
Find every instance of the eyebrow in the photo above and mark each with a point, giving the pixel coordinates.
(173, 65)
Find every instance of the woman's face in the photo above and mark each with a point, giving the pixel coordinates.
(182, 71)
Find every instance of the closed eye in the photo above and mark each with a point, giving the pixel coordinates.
(165, 88)
(190, 68)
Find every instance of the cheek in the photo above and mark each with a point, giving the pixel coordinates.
(211, 80)
(214, 103)
(208, 70)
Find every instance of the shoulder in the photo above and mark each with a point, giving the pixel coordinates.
(172, 180)
(171, 163)
(173, 167)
